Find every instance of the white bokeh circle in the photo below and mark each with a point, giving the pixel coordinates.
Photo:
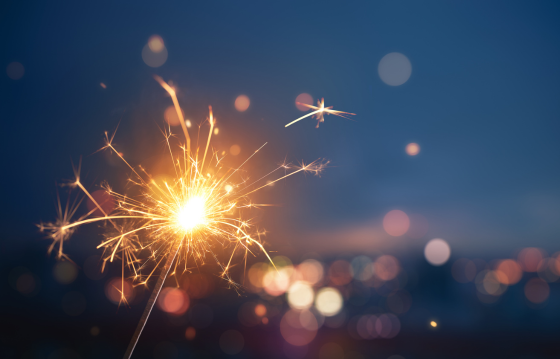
(394, 69)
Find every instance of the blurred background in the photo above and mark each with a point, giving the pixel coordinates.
(434, 233)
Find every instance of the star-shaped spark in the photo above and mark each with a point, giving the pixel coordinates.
(319, 112)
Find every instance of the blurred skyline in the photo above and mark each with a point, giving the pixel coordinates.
(481, 103)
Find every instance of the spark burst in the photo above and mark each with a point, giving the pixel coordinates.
(195, 214)
(319, 112)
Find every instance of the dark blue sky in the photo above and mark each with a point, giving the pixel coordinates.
(482, 102)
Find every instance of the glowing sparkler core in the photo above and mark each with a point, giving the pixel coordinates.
(192, 214)
(163, 224)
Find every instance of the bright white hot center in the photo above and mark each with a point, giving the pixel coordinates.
(192, 213)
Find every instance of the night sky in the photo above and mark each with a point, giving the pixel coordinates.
(481, 102)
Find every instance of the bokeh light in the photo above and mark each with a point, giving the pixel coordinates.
(173, 301)
(170, 116)
(154, 58)
(304, 98)
(437, 252)
(529, 258)
(362, 268)
(115, 286)
(65, 272)
(15, 70)
(155, 43)
(412, 149)
(242, 103)
(300, 295)
(328, 301)
(396, 223)
(394, 69)
(386, 267)
(298, 327)
(537, 290)
(232, 342)
(511, 271)
(235, 150)
(340, 273)
(311, 271)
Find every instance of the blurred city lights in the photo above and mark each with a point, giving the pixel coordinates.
(529, 258)
(412, 149)
(394, 69)
(511, 271)
(242, 103)
(311, 271)
(154, 52)
(328, 301)
(103, 85)
(155, 43)
(300, 295)
(362, 268)
(433, 324)
(537, 290)
(437, 252)
(386, 267)
(340, 273)
(396, 223)
(298, 327)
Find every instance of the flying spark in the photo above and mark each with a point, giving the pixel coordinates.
(160, 224)
(319, 112)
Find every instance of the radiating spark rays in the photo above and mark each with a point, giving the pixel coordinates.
(319, 112)
(148, 226)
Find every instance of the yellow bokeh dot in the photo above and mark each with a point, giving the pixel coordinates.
(235, 150)
(412, 149)
(155, 43)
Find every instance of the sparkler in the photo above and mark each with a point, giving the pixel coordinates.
(202, 208)
(319, 112)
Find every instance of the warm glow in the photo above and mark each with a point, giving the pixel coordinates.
(242, 103)
(192, 213)
(433, 324)
(412, 149)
